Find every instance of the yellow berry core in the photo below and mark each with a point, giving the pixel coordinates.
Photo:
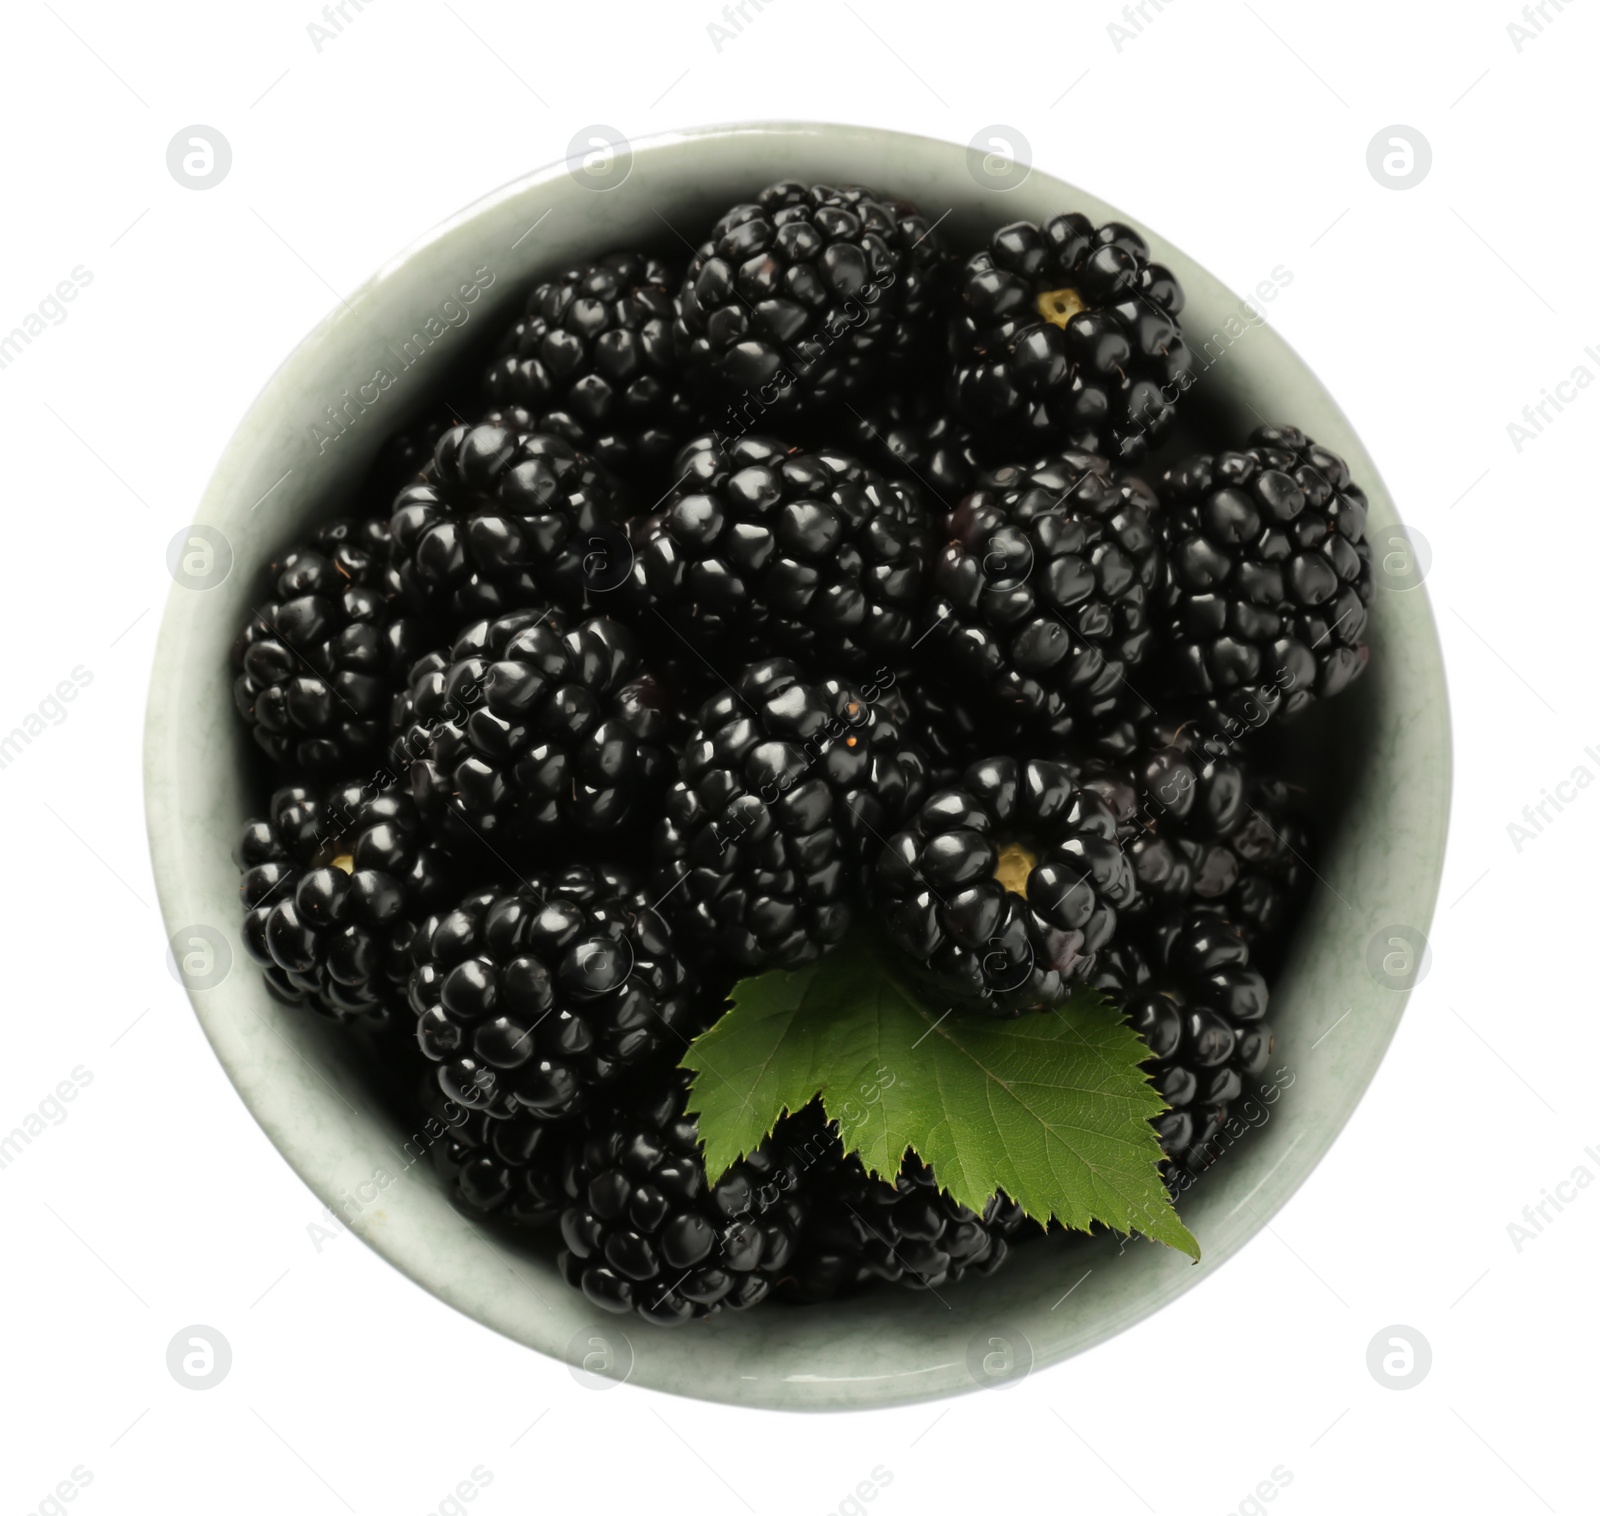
(1013, 866)
(1059, 306)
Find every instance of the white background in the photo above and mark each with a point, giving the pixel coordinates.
(1241, 131)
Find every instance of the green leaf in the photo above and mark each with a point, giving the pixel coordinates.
(1054, 1109)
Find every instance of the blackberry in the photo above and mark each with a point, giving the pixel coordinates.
(804, 296)
(1201, 1015)
(503, 519)
(531, 723)
(821, 556)
(592, 360)
(1001, 891)
(1269, 577)
(535, 998)
(317, 666)
(785, 790)
(1043, 592)
(861, 1230)
(333, 883)
(512, 1167)
(1068, 336)
(648, 1231)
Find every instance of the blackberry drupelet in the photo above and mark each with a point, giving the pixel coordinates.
(533, 723)
(317, 666)
(861, 1230)
(648, 1231)
(1269, 577)
(806, 295)
(333, 883)
(1001, 891)
(592, 360)
(1043, 591)
(1201, 1014)
(785, 790)
(1068, 336)
(534, 999)
(811, 551)
(503, 519)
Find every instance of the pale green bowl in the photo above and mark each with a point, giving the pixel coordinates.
(1381, 870)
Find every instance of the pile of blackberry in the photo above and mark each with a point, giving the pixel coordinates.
(795, 586)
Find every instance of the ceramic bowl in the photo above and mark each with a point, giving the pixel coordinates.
(1335, 1005)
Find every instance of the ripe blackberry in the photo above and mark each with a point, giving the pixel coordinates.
(333, 883)
(861, 1230)
(317, 666)
(512, 1167)
(1000, 892)
(1269, 576)
(805, 295)
(592, 360)
(1068, 336)
(816, 553)
(1043, 592)
(649, 1232)
(503, 519)
(785, 790)
(1201, 1016)
(535, 998)
(532, 723)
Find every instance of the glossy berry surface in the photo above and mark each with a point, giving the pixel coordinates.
(333, 882)
(1270, 577)
(512, 1167)
(1000, 891)
(592, 360)
(648, 1233)
(1202, 1015)
(534, 999)
(805, 296)
(531, 723)
(826, 558)
(317, 665)
(1068, 335)
(783, 785)
(503, 519)
(1043, 591)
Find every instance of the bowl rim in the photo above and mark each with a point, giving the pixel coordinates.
(902, 1363)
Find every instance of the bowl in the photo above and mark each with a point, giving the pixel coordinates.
(310, 435)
